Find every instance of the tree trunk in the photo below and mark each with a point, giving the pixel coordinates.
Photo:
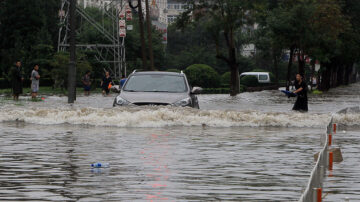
(289, 68)
(276, 66)
(142, 35)
(333, 76)
(235, 82)
(346, 75)
(148, 24)
(325, 78)
(301, 61)
(340, 75)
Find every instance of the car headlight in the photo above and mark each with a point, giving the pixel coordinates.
(121, 101)
(183, 103)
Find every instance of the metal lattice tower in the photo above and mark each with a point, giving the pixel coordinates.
(113, 52)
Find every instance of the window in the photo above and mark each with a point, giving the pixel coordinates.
(263, 77)
(156, 83)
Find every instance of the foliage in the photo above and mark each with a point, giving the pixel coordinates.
(60, 66)
(222, 19)
(249, 81)
(225, 79)
(173, 70)
(203, 76)
(26, 30)
(4, 83)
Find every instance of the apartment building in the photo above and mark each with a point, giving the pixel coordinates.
(94, 3)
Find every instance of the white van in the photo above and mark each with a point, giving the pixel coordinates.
(263, 77)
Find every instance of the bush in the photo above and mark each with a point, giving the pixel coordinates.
(46, 82)
(225, 79)
(249, 81)
(202, 75)
(173, 70)
(4, 83)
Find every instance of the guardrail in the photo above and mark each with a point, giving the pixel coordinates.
(313, 191)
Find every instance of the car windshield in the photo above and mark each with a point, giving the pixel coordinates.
(156, 83)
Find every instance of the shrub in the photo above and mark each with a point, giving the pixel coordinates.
(249, 81)
(4, 83)
(225, 79)
(46, 82)
(202, 75)
(173, 70)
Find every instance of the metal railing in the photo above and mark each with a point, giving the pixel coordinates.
(315, 184)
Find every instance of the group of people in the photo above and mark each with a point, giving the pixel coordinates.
(106, 83)
(17, 78)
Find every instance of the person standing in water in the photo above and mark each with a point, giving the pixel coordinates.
(16, 80)
(301, 103)
(105, 84)
(35, 81)
(86, 80)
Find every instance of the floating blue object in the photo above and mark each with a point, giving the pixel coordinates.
(100, 165)
(289, 93)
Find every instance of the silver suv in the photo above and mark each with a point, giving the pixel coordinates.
(158, 88)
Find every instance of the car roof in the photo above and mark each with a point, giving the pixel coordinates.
(158, 72)
(255, 72)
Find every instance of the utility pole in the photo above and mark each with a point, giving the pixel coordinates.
(72, 63)
(148, 23)
(142, 35)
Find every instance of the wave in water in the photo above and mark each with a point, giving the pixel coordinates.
(162, 117)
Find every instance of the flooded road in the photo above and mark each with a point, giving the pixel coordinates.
(247, 148)
(172, 164)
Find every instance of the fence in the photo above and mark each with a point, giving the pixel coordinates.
(313, 191)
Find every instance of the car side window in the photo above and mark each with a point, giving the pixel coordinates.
(263, 77)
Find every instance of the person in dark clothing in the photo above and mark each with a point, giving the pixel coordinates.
(86, 80)
(105, 83)
(16, 80)
(301, 103)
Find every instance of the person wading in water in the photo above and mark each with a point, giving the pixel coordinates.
(301, 103)
(16, 80)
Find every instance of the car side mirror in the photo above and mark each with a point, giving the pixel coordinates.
(196, 90)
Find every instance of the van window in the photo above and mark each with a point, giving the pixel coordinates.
(263, 77)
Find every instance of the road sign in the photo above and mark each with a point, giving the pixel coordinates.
(130, 27)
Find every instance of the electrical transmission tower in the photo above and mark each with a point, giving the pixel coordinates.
(111, 53)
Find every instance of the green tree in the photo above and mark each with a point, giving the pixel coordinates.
(203, 76)
(24, 27)
(60, 65)
(224, 18)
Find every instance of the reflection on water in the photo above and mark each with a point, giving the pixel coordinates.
(175, 164)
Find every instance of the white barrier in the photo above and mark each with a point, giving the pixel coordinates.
(313, 191)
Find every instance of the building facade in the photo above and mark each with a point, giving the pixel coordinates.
(94, 3)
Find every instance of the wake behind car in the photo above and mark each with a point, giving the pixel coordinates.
(158, 88)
